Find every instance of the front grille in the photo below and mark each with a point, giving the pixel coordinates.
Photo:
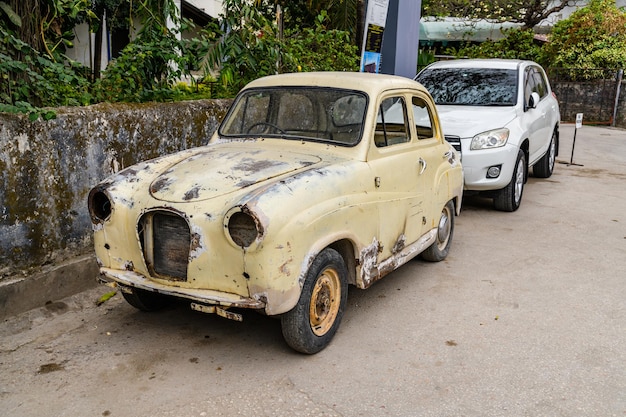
(455, 141)
(166, 243)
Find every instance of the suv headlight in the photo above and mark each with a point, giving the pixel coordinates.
(490, 139)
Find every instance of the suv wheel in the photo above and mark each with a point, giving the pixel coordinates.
(510, 197)
(545, 166)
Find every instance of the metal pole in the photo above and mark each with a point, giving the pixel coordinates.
(571, 160)
(620, 75)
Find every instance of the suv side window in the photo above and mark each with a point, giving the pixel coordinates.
(423, 118)
(391, 123)
(540, 83)
(535, 83)
(529, 84)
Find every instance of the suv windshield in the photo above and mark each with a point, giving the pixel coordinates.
(471, 86)
(315, 114)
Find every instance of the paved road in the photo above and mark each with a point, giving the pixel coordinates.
(526, 317)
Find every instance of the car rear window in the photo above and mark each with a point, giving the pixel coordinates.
(471, 86)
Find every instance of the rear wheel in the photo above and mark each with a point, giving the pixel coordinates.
(510, 197)
(311, 324)
(146, 300)
(438, 251)
(545, 166)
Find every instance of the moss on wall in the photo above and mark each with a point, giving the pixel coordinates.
(48, 167)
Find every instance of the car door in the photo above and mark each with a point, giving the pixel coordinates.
(433, 154)
(397, 168)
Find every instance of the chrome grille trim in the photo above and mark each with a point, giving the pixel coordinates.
(455, 141)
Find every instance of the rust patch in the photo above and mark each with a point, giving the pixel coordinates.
(159, 184)
(399, 245)
(195, 241)
(284, 269)
(246, 210)
(191, 194)
(128, 172)
(368, 260)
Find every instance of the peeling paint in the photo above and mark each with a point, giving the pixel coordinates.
(198, 246)
(371, 271)
(399, 245)
(368, 260)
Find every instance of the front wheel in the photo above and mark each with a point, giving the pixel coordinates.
(312, 323)
(438, 251)
(510, 197)
(545, 166)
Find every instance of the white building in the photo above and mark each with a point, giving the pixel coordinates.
(199, 11)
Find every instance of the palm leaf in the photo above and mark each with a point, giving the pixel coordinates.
(13, 17)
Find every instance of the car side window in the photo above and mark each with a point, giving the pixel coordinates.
(423, 118)
(391, 123)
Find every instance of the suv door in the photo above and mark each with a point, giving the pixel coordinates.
(537, 120)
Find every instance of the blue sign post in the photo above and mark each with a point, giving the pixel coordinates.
(375, 21)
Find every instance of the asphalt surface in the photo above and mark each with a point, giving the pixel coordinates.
(526, 317)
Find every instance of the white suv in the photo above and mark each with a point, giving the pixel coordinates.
(503, 118)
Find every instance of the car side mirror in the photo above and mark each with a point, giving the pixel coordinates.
(533, 101)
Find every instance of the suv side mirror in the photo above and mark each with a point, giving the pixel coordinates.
(533, 101)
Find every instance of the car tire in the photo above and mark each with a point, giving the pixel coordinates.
(545, 166)
(510, 197)
(438, 251)
(146, 300)
(311, 324)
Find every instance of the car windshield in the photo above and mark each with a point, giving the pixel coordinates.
(316, 114)
(471, 86)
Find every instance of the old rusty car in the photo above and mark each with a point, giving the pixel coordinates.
(313, 182)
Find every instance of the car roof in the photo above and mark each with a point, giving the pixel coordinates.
(482, 63)
(372, 84)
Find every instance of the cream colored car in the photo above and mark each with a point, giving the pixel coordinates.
(313, 182)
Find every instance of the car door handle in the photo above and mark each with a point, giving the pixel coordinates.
(449, 156)
(422, 163)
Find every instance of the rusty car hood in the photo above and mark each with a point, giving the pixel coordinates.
(223, 169)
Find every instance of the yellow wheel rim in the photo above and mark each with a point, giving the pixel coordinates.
(325, 300)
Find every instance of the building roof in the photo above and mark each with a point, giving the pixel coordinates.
(456, 29)
(195, 14)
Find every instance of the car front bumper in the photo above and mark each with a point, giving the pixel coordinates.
(477, 162)
(134, 280)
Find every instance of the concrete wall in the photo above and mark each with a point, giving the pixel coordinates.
(595, 99)
(48, 167)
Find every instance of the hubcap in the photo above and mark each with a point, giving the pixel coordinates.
(519, 181)
(443, 230)
(552, 155)
(325, 300)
